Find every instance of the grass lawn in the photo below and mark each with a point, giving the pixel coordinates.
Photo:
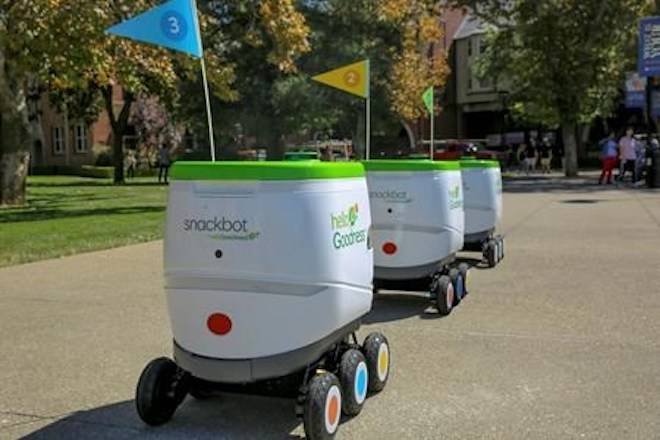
(69, 215)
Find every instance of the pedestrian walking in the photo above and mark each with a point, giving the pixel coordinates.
(130, 163)
(545, 156)
(530, 158)
(627, 155)
(163, 164)
(608, 158)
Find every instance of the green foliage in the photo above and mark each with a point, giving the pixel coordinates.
(274, 103)
(565, 60)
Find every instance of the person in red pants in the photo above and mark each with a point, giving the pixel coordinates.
(608, 159)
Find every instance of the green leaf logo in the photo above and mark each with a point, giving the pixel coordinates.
(353, 214)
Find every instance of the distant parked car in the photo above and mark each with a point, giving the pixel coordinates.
(455, 149)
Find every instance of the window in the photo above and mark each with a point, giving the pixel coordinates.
(475, 83)
(58, 140)
(80, 138)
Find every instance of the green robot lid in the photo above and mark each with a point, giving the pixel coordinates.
(251, 170)
(410, 165)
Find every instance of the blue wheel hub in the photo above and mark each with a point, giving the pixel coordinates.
(459, 288)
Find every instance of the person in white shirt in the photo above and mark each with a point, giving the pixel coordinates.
(627, 155)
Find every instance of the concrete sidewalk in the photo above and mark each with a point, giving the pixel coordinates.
(561, 341)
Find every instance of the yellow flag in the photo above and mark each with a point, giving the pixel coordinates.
(353, 78)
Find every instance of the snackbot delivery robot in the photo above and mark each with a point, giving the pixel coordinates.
(482, 191)
(268, 271)
(417, 209)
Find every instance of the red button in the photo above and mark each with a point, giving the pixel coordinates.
(219, 323)
(389, 248)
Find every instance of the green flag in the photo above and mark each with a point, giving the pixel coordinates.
(427, 97)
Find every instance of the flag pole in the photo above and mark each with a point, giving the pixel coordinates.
(368, 128)
(205, 82)
(368, 121)
(209, 116)
(432, 134)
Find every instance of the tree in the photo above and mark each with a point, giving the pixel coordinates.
(60, 46)
(154, 126)
(397, 36)
(264, 40)
(19, 116)
(400, 37)
(418, 64)
(565, 59)
(81, 57)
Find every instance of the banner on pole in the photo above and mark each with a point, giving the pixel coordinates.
(353, 79)
(635, 91)
(427, 97)
(173, 25)
(649, 46)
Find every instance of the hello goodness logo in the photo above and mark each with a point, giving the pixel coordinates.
(343, 225)
(455, 197)
(221, 228)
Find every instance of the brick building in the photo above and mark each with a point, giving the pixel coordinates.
(70, 142)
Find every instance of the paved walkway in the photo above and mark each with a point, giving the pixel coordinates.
(562, 341)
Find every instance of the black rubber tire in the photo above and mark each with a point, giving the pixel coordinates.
(501, 248)
(199, 390)
(157, 396)
(444, 293)
(491, 254)
(314, 409)
(351, 361)
(457, 282)
(371, 350)
(463, 268)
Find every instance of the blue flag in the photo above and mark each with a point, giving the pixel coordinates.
(173, 25)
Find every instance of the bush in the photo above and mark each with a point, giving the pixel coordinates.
(84, 171)
(42, 170)
(103, 155)
(104, 159)
(96, 172)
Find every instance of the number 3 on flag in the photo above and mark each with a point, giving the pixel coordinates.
(174, 26)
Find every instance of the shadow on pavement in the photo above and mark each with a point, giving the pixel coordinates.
(582, 201)
(587, 183)
(227, 416)
(393, 305)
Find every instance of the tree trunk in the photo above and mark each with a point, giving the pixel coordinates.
(13, 178)
(570, 149)
(411, 135)
(17, 131)
(119, 125)
(34, 91)
(583, 138)
(14, 156)
(118, 156)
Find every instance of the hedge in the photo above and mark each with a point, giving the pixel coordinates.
(97, 172)
(83, 171)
